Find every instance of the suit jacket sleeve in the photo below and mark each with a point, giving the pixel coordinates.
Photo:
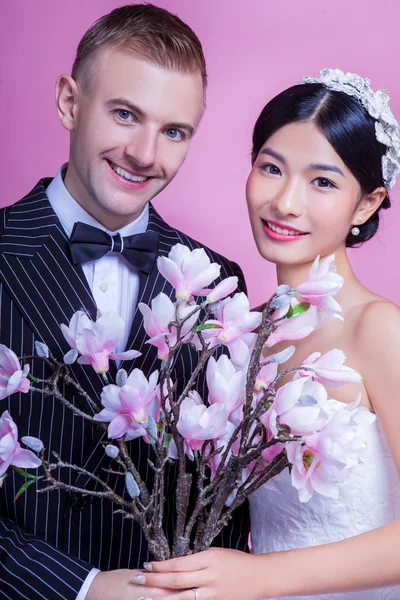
(30, 568)
(242, 287)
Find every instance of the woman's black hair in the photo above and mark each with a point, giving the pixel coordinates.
(349, 129)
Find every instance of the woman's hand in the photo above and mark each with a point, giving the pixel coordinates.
(216, 574)
(118, 585)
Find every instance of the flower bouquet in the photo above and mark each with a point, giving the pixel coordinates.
(257, 419)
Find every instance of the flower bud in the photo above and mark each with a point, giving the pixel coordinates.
(111, 451)
(131, 486)
(33, 443)
(42, 350)
(281, 301)
(282, 289)
(70, 357)
(307, 400)
(151, 429)
(121, 378)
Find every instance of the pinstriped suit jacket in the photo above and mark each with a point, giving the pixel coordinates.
(50, 541)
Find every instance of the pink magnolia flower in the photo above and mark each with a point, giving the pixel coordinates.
(12, 377)
(322, 284)
(127, 409)
(222, 290)
(222, 443)
(157, 318)
(272, 451)
(198, 423)
(268, 454)
(11, 452)
(265, 377)
(329, 369)
(97, 340)
(343, 437)
(325, 458)
(296, 327)
(311, 474)
(188, 271)
(234, 323)
(301, 404)
(242, 350)
(226, 385)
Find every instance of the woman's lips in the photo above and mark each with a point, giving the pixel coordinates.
(281, 233)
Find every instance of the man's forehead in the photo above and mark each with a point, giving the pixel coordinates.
(165, 94)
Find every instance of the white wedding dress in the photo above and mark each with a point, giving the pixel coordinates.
(369, 498)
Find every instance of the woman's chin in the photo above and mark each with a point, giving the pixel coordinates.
(284, 256)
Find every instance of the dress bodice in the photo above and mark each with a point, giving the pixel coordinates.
(369, 498)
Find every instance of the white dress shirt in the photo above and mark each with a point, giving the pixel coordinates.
(113, 281)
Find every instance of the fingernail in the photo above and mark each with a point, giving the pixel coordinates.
(148, 567)
(138, 578)
(143, 598)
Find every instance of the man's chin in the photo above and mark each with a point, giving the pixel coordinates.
(116, 216)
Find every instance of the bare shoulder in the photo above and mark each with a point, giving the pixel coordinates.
(378, 326)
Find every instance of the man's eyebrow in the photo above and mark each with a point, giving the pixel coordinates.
(118, 102)
(123, 102)
(274, 154)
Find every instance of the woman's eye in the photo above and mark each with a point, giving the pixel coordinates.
(272, 169)
(175, 134)
(321, 182)
(124, 115)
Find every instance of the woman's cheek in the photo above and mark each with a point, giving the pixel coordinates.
(251, 193)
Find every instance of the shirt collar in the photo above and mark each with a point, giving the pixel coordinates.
(69, 211)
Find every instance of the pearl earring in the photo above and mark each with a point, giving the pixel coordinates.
(359, 219)
(355, 231)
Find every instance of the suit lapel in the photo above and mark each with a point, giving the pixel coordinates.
(48, 289)
(37, 272)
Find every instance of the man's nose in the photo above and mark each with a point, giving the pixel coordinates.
(142, 150)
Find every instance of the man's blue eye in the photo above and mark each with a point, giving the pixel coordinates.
(174, 134)
(124, 114)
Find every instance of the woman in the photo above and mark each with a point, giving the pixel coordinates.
(320, 177)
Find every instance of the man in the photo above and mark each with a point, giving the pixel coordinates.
(132, 105)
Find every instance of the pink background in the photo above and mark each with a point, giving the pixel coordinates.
(254, 49)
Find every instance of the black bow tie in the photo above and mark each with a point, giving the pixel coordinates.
(90, 243)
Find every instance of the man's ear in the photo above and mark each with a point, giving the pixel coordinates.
(67, 94)
(368, 205)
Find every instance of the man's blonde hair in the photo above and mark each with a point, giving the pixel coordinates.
(151, 31)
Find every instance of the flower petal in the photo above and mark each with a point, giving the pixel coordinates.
(119, 426)
(25, 459)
